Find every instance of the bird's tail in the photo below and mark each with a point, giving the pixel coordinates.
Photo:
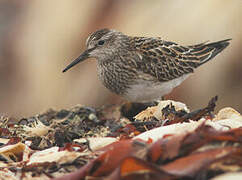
(205, 52)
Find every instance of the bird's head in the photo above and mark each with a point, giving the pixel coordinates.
(102, 45)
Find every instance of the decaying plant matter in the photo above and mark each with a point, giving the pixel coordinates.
(161, 140)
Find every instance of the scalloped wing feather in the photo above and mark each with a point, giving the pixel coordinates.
(167, 60)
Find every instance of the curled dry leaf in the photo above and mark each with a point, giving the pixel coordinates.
(15, 153)
(146, 114)
(227, 113)
(191, 165)
(168, 148)
(114, 154)
(228, 117)
(134, 168)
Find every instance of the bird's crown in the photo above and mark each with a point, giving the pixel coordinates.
(101, 37)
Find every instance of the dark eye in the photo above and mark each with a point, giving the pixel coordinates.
(101, 42)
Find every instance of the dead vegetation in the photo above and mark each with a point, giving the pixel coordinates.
(146, 141)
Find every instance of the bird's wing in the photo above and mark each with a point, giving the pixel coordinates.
(167, 60)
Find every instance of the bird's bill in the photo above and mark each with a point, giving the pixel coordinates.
(81, 58)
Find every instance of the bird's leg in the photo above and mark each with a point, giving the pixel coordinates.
(163, 98)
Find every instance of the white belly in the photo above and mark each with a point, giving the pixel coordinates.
(147, 91)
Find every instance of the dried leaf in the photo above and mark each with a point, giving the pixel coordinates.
(134, 168)
(189, 166)
(113, 156)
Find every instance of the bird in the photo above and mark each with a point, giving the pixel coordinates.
(144, 69)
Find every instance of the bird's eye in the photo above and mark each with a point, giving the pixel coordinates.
(101, 42)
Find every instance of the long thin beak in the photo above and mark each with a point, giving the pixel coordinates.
(81, 58)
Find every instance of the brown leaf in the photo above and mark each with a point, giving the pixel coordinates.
(189, 166)
(108, 161)
(165, 148)
(134, 168)
(179, 145)
(115, 153)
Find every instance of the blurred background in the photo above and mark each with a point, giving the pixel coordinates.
(39, 38)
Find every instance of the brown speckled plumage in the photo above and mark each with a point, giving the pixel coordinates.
(128, 64)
